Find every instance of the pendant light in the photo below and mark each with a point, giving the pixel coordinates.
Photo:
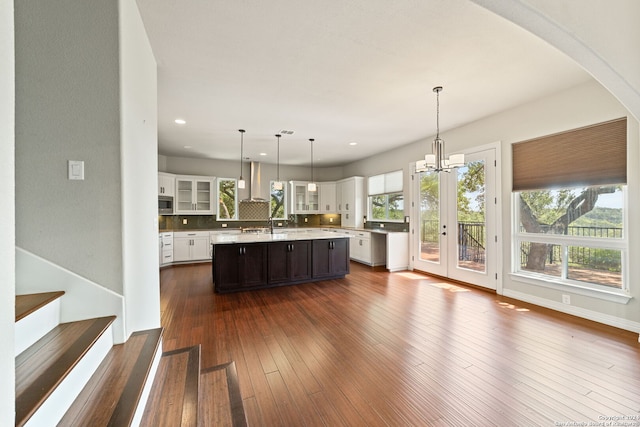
(311, 186)
(241, 182)
(436, 161)
(277, 185)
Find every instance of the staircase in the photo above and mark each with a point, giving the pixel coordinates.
(72, 374)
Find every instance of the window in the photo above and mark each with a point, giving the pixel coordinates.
(570, 212)
(277, 203)
(386, 200)
(572, 235)
(227, 199)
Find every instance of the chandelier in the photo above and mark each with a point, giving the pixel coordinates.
(436, 161)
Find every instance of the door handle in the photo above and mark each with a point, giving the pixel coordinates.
(444, 233)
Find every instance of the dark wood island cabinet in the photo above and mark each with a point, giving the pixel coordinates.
(242, 263)
(240, 266)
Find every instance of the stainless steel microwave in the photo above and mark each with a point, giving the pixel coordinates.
(165, 205)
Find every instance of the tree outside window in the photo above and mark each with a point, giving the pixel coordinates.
(227, 198)
(277, 202)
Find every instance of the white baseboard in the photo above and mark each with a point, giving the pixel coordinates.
(606, 319)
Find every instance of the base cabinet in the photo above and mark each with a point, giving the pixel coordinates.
(239, 266)
(289, 261)
(190, 246)
(330, 257)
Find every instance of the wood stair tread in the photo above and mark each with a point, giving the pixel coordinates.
(113, 392)
(41, 367)
(28, 303)
(174, 396)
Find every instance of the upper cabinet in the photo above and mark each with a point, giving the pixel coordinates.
(194, 195)
(351, 202)
(166, 184)
(328, 199)
(304, 201)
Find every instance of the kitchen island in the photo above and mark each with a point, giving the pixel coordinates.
(253, 261)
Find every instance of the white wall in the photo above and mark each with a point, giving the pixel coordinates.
(68, 108)
(603, 37)
(580, 106)
(139, 148)
(7, 215)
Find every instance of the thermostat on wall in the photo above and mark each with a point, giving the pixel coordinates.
(76, 169)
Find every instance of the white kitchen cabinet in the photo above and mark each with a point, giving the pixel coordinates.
(360, 247)
(166, 184)
(328, 203)
(166, 248)
(397, 251)
(367, 247)
(304, 201)
(194, 195)
(351, 201)
(191, 246)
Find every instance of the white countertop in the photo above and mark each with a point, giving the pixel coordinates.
(278, 237)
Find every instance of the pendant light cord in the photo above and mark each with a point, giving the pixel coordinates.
(278, 160)
(311, 139)
(241, 149)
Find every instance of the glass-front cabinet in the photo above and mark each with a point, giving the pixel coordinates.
(302, 200)
(193, 195)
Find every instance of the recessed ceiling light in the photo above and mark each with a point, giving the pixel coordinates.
(187, 146)
(180, 121)
(353, 143)
(263, 154)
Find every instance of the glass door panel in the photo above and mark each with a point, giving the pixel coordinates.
(471, 218)
(429, 217)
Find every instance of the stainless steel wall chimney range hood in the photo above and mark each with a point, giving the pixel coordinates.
(256, 208)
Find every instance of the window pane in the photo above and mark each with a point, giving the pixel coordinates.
(379, 207)
(429, 216)
(226, 198)
(276, 201)
(541, 258)
(396, 206)
(585, 211)
(471, 238)
(595, 265)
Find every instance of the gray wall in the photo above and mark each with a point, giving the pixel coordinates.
(67, 108)
(227, 169)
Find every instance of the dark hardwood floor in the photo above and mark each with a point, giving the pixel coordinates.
(402, 349)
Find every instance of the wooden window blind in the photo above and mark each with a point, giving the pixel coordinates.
(592, 155)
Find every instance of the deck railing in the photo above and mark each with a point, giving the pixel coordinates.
(472, 239)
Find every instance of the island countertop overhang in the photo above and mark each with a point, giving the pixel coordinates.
(222, 239)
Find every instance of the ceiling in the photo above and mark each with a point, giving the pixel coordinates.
(358, 71)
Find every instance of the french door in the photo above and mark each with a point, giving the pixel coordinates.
(455, 221)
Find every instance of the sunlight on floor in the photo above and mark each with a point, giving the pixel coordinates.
(412, 276)
(511, 306)
(448, 286)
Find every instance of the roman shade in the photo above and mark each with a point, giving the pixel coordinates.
(385, 183)
(591, 155)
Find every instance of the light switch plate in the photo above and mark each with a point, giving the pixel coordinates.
(76, 169)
